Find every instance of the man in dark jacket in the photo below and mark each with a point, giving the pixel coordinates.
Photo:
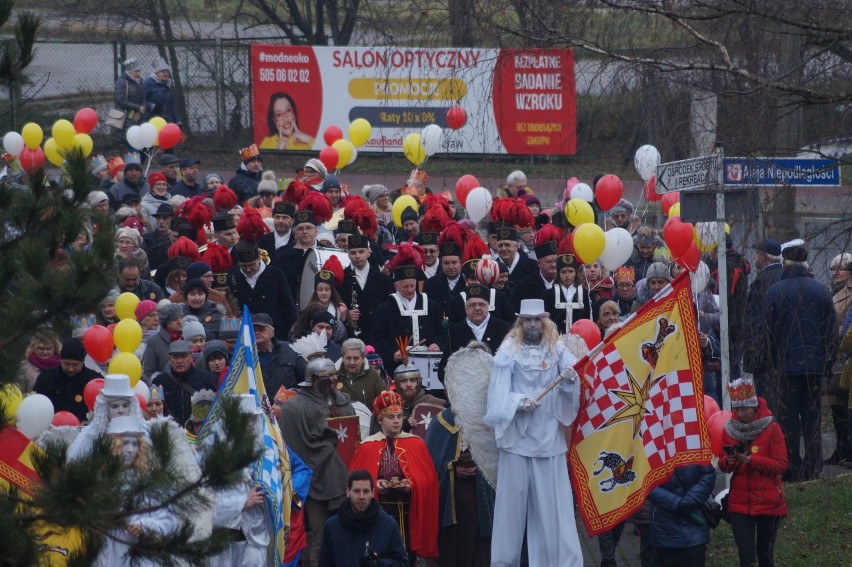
(130, 279)
(133, 184)
(244, 183)
(158, 92)
(448, 282)
(281, 365)
(64, 384)
(156, 243)
(364, 287)
(737, 270)
(181, 379)
(188, 186)
(767, 260)
(802, 327)
(362, 533)
(519, 265)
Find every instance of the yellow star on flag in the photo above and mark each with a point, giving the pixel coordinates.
(635, 400)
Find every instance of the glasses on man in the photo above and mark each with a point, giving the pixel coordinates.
(625, 285)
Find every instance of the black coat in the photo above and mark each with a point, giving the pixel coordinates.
(291, 261)
(756, 333)
(283, 367)
(438, 288)
(130, 97)
(524, 269)
(156, 246)
(188, 191)
(178, 399)
(375, 292)
(502, 308)
(162, 98)
(244, 184)
(461, 334)
(530, 287)
(383, 336)
(271, 295)
(65, 392)
(558, 315)
(267, 242)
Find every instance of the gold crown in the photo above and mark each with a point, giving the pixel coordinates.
(625, 273)
(742, 391)
(249, 152)
(386, 402)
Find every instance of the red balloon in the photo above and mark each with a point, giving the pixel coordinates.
(31, 160)
(98, 343)
(170, 136)
(588, 331)
(456, 117)
(690, 258)
(669, 199)
(465, 185)
(716, 427)
(85, 120)
(678, 235)
(608, 191)
(329, 158)
(711, 408)
(65, 418)
(331, 135)
(91, 391)
(651, 190)
(142, 403)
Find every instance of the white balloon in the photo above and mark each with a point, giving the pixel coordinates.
(582, 191)
(618, 248)
(14, 143)
(34, 415)
(148, 135)
(143, 389)
(646, 160)
(133, 138)
(478, 204)
(354, 155)
(698, 278)
(431, 138)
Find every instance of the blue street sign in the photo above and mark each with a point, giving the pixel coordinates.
(812, 172)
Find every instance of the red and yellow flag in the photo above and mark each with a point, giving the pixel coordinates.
(642, 410)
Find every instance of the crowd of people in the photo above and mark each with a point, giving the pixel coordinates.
(356, 311)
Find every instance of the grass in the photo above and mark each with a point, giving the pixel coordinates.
(814, 534)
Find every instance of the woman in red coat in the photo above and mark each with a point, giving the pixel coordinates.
(754, 450)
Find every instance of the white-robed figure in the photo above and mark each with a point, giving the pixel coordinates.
(241, 509)
(533, 488)
(129, 441)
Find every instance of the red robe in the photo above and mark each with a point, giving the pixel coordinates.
(419, 470)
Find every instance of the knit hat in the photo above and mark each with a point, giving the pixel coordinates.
(195, 283)
(144, 308)
(330, 182)
(742, 393)
(316, 164)
(131, 65)
(169, 313)
(73, 350)
(623, 206)
(210, 176)
(658, 270)
(842, 261)
(322, 317)
(192, 328)
(96, 197)
(111, 297)
(267, 183)
(373, 192)
(130, 233)
(196, 270)
(161, 65)
(155, 177)
(214, 347)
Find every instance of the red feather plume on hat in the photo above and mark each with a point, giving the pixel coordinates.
(407, 254)
(499, 208)
(295, 192)
(548, 232)
(432, 200)
(334, 266)
(218, 257)
(224, 199)
(196, 212)
(566, 246)
(474, 248)
(184, 247)
(319, 204)
(365, 219)
(454, 232)
(251, 226)
(519, 215)
(354, 203)
(435, 220)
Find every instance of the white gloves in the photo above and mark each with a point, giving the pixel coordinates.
(529, 405)
(569, 375)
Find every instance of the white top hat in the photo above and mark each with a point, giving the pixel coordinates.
(118, 386)
(532, 308)
(125, 425)
(248, 404)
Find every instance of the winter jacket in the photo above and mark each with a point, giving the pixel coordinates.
(281, 368)
(347, 538)
(244, 184)
(210, 316)
(150, 204)
(130, 97)
(756, 487)
(118, 191)
(162, 98)
(676, 522)
(802, 324)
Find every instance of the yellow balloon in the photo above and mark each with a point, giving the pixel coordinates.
(125, 306)
(127, 335)
(85, 143)
(63, 132)
(158, 122)
(52, 152)
(344, 151)
(32, 134)
(359, 132)
(10, 399)
(402, 203)
(579, 212)
(126, 363)
(674, 210)
(413, 149)
(589, 242)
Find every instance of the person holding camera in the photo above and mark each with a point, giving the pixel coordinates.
(754, 450)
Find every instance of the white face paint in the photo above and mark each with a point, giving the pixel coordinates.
(129, 448)
(532, 330)
(117, 407)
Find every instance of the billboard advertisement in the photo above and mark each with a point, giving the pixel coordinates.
(516, 101)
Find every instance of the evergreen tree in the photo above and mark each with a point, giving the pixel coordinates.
(16, 52)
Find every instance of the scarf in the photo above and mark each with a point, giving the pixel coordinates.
(478, 330)
(351, 520)
(747, 432)
(43, 363)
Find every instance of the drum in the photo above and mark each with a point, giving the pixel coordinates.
(427, 363)
(313, 263)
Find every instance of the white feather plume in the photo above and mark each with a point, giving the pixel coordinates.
(310, 345)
